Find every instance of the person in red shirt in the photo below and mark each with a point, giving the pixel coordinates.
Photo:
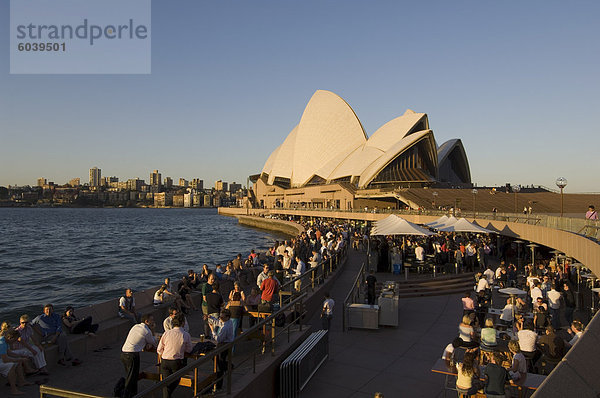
(269, 288)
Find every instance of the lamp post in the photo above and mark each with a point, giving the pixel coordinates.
(435, 194)
(516, 190)
(474, 191)
(561, 182)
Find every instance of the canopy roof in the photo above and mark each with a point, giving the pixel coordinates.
(462, 225)
(394, 225)
(439, 221)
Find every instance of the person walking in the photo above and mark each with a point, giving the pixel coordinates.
(327, 312)
(139, 338)
(173, 346)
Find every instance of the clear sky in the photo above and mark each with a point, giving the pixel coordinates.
(517, 81)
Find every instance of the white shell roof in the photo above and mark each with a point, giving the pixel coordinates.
(394, 130)
(400, 146)
(330, 142)
(328, 128)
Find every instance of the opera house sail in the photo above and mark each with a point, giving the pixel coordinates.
(329, 151)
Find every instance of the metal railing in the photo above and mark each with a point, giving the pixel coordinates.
(353, 295)
(210, 356)
(580, 226)
(295, 298)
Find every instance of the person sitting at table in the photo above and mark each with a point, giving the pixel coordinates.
(466, 331)
(508, 312)
(495, 377)
(518, 367)
(468, 304)
(78, 326)
(527, 341)
(467, 381)
(488, 334)
(168, 322)
(576, 330)
(540, 319)
(454, 352)
(251, 304)
(553, 349)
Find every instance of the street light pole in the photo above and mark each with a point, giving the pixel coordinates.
(474, 191)
(561, 182)
(516, 190)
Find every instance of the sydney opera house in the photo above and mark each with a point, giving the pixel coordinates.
(327, 160)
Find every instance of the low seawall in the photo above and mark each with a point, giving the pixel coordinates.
(287, 227)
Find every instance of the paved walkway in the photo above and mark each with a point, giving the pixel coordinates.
(394, 361)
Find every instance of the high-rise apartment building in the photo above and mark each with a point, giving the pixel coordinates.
(75, 182)
(220, 186)
(41, 182)
(197, 184)
(168, 183)
(234, 187)
(95, 176)
(135, 184)
(183, 183)
(155, 179)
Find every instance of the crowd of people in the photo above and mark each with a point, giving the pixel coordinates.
(529, 334)
(255, 280)
(224, 310)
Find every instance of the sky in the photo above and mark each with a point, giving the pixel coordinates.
(517, 81)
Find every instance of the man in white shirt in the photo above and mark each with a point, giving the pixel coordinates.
(536, 292)
(140, 337)
(300, 269)
(482, 284)
(327, 312)
(489, 274)
(173, 346)
(554, 306)
(168, 322)
(420, 253)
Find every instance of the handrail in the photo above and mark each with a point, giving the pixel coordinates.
(60, 392)
(569, 224)
(351, 294)
(217, 351)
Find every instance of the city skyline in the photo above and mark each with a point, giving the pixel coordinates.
(517, 83)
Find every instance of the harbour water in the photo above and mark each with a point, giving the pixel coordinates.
(81, 256)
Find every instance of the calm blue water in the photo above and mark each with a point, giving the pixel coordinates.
(85, 256)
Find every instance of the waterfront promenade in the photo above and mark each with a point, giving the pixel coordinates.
(394, 361)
